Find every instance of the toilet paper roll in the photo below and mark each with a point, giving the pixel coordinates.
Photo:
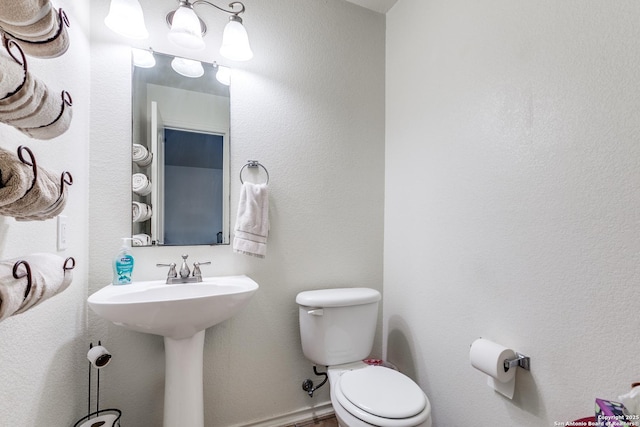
(99, 356)
(488, 357)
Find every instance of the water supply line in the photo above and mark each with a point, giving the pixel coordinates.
(307, 385)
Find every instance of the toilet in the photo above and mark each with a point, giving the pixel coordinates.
(337, 328)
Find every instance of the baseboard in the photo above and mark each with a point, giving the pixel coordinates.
(292, 417)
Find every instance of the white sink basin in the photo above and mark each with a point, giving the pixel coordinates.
(180, 313)
(175, 311)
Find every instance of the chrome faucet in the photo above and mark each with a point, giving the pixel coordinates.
(172, 275)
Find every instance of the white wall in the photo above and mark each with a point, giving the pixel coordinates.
(310, 107)
(43, 366)
(512, 207)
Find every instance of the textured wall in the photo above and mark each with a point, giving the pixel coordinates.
(512, 206)
(43, 368)
(310, 107)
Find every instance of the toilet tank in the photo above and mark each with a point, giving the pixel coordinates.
(338, 325)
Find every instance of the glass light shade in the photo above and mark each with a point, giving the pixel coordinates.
(185, 29)
(224, 75)
(143, 58)
(235, 42)
(187, 67)
(125, 18)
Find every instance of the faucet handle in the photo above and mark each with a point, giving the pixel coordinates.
(196, 268)
(172, 269)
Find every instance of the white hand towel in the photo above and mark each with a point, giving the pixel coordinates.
(252, 222)
(48, 278)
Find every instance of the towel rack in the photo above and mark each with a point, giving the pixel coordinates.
(27, 272)
(65, 177)
(29, 162)
(253, 164)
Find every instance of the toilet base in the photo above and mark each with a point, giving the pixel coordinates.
(344, 417)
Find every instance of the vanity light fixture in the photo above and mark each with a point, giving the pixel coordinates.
(223, 75)
(187, 67)
(125, 18)
(143, 58)
(187, 30)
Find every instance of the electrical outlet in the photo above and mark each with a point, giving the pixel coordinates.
(63, 232)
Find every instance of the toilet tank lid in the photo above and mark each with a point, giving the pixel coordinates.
(340, 297)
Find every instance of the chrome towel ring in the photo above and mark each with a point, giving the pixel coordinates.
(253, 164)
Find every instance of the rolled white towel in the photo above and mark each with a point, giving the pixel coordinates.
(21, 98)
(25, 105)
(141, 156)
(141, 184)
(24, 12)
(48, 278)
(40, 197)
(12, 76)
(148, 212)
(48, 105)
(141, 239)
(139, 152)
(51, 45)
(42, 29)
(140, 212)
(59, 125)
(136, 211)
(16, 178)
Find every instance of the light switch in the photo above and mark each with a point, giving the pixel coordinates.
(63, 231)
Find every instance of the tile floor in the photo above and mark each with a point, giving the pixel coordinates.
(326, 421)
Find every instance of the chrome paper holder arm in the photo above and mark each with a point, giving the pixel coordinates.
(520, 360)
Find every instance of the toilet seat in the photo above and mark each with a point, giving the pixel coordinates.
(382, 397)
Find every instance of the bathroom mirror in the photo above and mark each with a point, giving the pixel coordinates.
(180, 156)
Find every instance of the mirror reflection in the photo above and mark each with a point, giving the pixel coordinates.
(180, 154)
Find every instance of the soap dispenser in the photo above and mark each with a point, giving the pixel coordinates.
(123, 264)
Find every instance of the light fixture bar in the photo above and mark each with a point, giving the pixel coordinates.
(203, 26)
(185, 3)
(187, 29)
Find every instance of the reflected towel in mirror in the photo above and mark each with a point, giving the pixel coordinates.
(140, 211)
(141, 184)
(141, 240)
(141, 156)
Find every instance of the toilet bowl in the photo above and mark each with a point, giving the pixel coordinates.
(365, 396)
(337, 328)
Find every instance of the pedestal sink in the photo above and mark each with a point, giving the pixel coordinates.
(180, 313)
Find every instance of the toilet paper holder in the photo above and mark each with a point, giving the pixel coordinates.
(520, 360)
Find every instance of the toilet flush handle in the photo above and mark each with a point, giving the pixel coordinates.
(315, 312)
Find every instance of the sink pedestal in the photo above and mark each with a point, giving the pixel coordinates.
(183, 390)
(180, 313)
